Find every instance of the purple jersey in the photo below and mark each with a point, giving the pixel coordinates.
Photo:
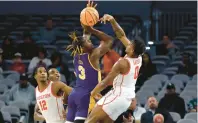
(87, 76)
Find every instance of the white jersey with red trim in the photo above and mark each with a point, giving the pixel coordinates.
(51, 106)
(124, 85)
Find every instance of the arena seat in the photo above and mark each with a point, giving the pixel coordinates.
(14, 112)
(192, 115)
(23, 107)
(8, 82)
(6, 116)
(176, 117)
(3, 88)
(186, 121)
(184, 78)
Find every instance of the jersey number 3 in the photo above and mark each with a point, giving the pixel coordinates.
(82, 72)
(43, 105)
(136, 72)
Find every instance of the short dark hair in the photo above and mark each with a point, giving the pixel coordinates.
(36, 70)
(170, 86)
(139, 46)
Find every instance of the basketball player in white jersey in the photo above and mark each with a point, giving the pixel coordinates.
(53, 75)
(48, 98)
(123, 74)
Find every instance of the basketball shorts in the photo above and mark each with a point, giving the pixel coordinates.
(78, 105)
(114, 105)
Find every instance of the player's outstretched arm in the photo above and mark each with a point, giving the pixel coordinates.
(120, 67)
(37, 114)
(61, 86)
(120, 34)
(106, 40)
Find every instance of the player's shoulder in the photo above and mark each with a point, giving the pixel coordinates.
(124, 63)
(95, 51)
(57, 83)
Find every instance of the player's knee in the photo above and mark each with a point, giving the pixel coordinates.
(79, 121)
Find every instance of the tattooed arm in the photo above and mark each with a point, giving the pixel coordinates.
(106, 41)
(120, 34)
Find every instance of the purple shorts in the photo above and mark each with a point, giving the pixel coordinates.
(78, 104)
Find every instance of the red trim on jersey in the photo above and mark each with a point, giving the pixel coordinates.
(129, 68)
(110, 101)
(58, 109)
(45, 87)
(115, 84)
(106, 98)
(55, 95)
(113, 93)
(121, 85)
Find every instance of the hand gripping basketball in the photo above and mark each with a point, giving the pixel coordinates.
(89, 16)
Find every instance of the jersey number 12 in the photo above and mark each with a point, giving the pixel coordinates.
(43, 105)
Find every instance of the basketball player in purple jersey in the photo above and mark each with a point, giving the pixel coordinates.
(86, 67)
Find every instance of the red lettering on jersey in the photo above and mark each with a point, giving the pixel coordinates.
(43, 105)
(43, 96)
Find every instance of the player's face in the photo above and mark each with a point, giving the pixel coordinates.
(88, 45)
(130, 49)
(152, 103)
(54, 75)
(41, 74)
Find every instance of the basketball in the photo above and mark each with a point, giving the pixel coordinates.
(89, 16)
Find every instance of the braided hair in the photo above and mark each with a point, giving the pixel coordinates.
(77, 44)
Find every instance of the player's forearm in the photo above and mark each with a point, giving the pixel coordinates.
(38, 117)
(102, 85)
(86, 34)
(99, 88)
(120, 34)
(102, 36)
(67, 89)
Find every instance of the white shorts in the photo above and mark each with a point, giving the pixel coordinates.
(114, 105)
(56, 122)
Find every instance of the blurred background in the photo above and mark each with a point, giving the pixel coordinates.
(36, 33)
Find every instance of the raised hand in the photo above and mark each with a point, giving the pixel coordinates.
(91, 4)
(87, 29)
(105, 18)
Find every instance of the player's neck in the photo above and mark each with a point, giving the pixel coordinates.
(42, 85)
(132, 56)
